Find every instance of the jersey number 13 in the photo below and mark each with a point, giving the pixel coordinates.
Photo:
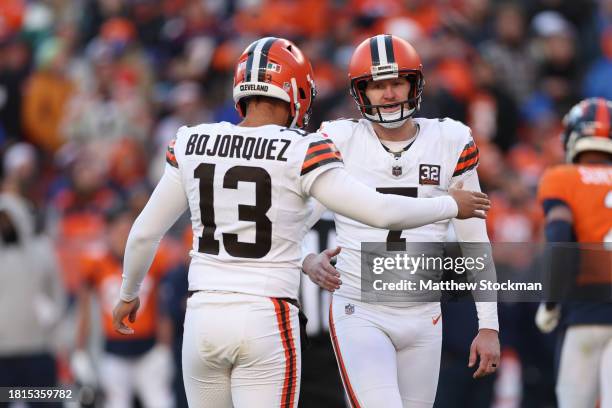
(207, 244)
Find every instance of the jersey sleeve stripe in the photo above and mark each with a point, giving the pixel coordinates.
(170, 156)
(325, 150)
(465, 166)
(468, 163)
(320, 153)
(467, 157)
(320, 142)
(319, 157)
(468, 148)
(550, 203)
(320, 161)
(313, 149)
(468, 151)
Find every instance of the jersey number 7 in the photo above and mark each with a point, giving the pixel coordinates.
(395, 242)
(207, 244)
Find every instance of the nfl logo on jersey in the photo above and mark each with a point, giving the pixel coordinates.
(396, 171)
(349, 309)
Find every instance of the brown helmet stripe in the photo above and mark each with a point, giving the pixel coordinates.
(389, 49)
(249, 63)
(374, 51)
(258, 59)
(263, 62)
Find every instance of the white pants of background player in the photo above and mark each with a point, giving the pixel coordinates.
(241, 350)
(388, 356)
(149, 376)
(585, 371)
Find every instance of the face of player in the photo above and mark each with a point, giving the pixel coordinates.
(388, 91)
(594, 157)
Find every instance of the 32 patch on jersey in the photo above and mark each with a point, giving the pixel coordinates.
(429, 174)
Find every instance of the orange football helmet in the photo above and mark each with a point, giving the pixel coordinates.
(383, 57)
(276, 68)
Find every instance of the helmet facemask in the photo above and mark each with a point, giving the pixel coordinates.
(382, 57)
(374, 113)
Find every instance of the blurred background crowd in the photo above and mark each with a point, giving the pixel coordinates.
(91, 92)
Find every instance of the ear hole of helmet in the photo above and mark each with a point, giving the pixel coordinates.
(361, 94)
(302, 93)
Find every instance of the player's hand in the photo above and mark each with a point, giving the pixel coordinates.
(470, 203)
(123, 310)
(547, 318)
(486, 347)
(320, 270)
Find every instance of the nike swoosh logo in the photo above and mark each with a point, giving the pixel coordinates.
(435, 320)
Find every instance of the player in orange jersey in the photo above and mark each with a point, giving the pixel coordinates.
(126, 362)
(577, 200)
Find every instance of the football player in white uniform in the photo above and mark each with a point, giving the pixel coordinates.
(246, 187)
(390, 356)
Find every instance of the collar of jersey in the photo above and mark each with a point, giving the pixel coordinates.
(400, 152)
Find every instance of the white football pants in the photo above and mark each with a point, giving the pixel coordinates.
(585, 370)
(149, 375)
(241, 350)
(388, 356)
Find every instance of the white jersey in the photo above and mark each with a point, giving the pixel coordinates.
(247, 189)
(442, 153)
